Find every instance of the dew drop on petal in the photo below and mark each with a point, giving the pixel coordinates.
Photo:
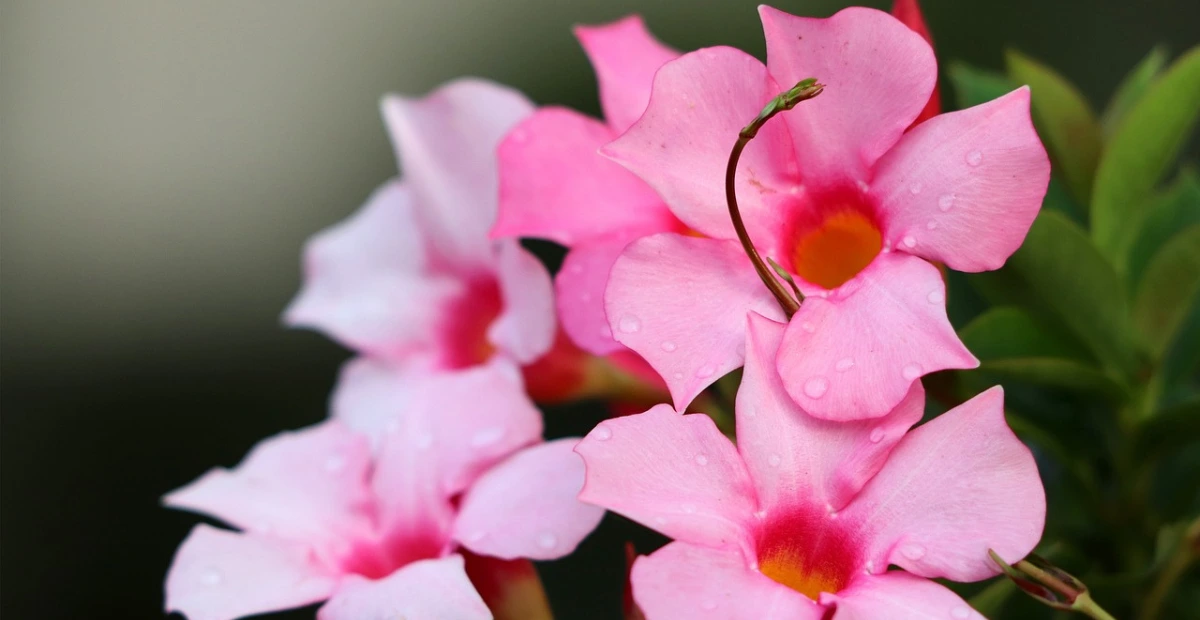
(602, 433)
(678, 376)
(844, 364)
(211, 576)
(701, 460)
(816, 387)
(688, 508)
(335, 464)
(915, 188)
(910, 241)
(660, 520)
(876, 435)
(705, 371)
(547, 540)
(708, 605)
(605, 332)
(487, 437)
(585, 297)
(960, 612)
(808, 327)
(931, 225)
(974, 158)
(936, 296)
(576, 269)
(668, 346)
(629, 324)
(392, 426)
(774, 460)
(945, 202)
(913, 552)
(476, 536)
(911, 371)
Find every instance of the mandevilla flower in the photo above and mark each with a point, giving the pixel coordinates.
(803, 516)
(372, 521)
(412, 277)
(838, 194)
(555, 185)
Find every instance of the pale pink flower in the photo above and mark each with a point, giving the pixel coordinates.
(412, 277)
(555, 185)
(804, 516)
(838, 194)
(371, 521)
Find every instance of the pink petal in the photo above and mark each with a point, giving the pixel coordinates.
(900, 596)
(855, 354)
(221, 575)
(878, 75)
(555, 185)
(690, 581)
(681, 145)
(528, 506)
(675, 473)
(964, 187)
(795, 457)
(435, 589)
(681, 303)
(525, 328)
(580, 288)
(446, 143)
(308, 485)
(625, 57)
(363, 275)
(952, 489)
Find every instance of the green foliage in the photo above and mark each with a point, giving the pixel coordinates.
(975, 86)
(1133, 87)
(1065, 121)
(1168, 291)
(1142, 149)
(1168, 212)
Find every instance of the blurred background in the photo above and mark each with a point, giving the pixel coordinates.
(161, 165)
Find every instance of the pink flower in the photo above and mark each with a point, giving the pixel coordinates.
(804, 516)
(555, 185)
(838, 194)
(371, 521)
(412, 277)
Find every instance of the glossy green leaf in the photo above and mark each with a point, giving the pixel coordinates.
(1168, 213)
(1131, 89)
(1170, 429)
(1008, 332)
(1168, 290)
(1064, 120)
(1142, 150)
(1055, 372)
(974, 86)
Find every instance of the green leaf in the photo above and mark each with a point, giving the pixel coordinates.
(1064, 120)
(1167, 291)
(1007, 332)
(974, 86)
(1059, 373)
(1060, 278)
(1142, 149)
(1131, 89)
(1168, 212)
(1169, 429)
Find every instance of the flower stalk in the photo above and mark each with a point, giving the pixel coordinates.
(1051, 585)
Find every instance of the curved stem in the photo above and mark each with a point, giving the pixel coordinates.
(1181, 560)
(802, 91)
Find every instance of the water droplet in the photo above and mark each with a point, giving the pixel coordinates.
(708, 605)
(668, 346)
(936, 296)
(816, 387)
(660, 520)
(576, 268)
(705, 371)
(688, 508)
(423, 440)
(974, 158)
(629, 324)
(211, 576)
(392, 426)
(335, 464)
(913, 552)
(677, 375)
(931, 225)
(877, 435)
(547, 540)
(701, 460)
(585, 297)
(476, 536)
(915, 188)
(602, 433)
(945, 202)
(487, 436)
(863, 187)
(911, 371)
(808, 327)
(844, 364)
(605, 332)
(910, 241)
(960, 612)
(774, 460)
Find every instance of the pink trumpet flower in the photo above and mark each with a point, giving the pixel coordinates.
(372, 520)
(803, 517)
(555, 185)
(838, 194)
(412, 277)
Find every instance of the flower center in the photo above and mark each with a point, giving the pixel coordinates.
(807, 553)
(836, 246)
(465, 331)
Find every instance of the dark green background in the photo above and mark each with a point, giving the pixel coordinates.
(161, 165)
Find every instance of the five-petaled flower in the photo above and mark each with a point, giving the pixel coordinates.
(838, 194)
(373, 520)
(805, 514)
